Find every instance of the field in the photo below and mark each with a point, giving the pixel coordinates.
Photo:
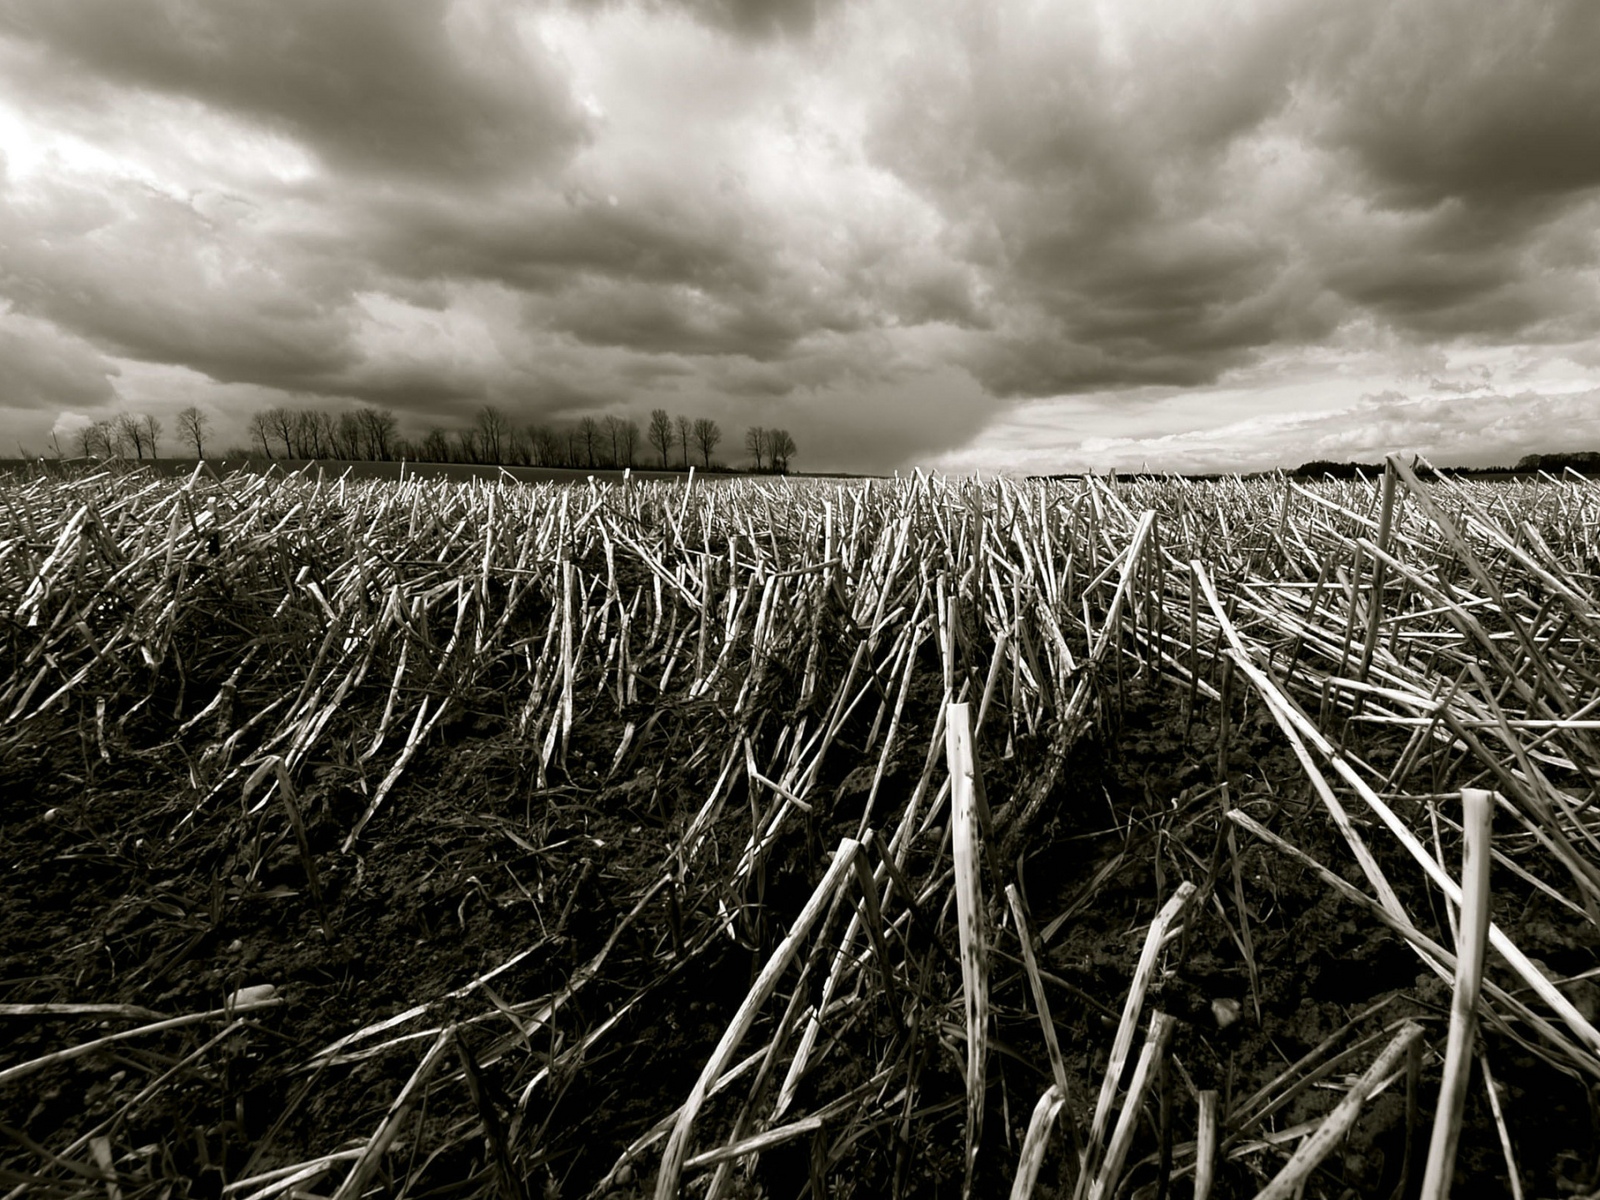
(911, 838)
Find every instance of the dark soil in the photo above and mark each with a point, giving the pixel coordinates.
(122, 883)
(112, 891)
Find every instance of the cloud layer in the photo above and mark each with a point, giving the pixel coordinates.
(904, 234)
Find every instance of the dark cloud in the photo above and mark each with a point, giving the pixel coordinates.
(43, 370)
(1085, 177)
(789, 211)
(763, 18)
(1460, 269)
(1472, 129)
(673, 321)
(691, 273)
(542, 241)
(1491, 101)
(434, 388)
(1129, 188)
(415, 88)
(147, 277)
(754, 19)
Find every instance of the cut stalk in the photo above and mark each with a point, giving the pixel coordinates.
(1037, 1141)
(1123, 1042)
(1205, 1148)
(1478, 812)
(1041, 1002)
(1338, 1123)
(970, 918)
(672, 1160)
(1155, 1045)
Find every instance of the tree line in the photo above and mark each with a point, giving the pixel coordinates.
(371, 432)
(126, 435)
(137, 435)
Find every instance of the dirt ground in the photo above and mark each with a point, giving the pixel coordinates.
(553, 920)
(114, 891)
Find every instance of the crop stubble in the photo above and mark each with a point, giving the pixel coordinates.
(453, 839)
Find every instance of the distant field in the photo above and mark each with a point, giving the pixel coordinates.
(422, 838)
(365, 469)
(454, 472)
(458, 472)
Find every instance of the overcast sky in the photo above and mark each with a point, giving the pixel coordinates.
(1192, 234)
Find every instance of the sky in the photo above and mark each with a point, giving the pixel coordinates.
(995, 235)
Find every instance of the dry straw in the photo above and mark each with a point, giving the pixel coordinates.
(744, 649)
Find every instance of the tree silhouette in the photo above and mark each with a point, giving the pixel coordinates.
(614, 435)
(130, 433)
(685, 429)
(308, 434)
(779, 447)
(434, 447)
(327, 430)
(347, 436)
(588, 435)
(378, 427)
(152, 429)
(628, 438)
(492, 431)
(706, 436)
(96, 440)
(755, 441)
(549, 447)
(280, 425)
(260, 434)
(660, 433)
(193, 425)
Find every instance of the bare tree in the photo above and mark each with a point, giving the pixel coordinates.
(755, 441)
(536, 445)
(707, 433)
(94, 440)
(685, 429)
(260, 434)
(130, 433)
(280, 426)
(347, 436)
(492, 432)
(613, 427)
(628, 438)
(660, 433)
(434, 447)
(152, 430)
(304, 425)
(467, 446)
(588, 437)
(550, 446)
(378, 428)
(193, 425)
(327, 431)
(779, 448)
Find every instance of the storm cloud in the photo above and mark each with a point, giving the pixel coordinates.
(907, 235)
(422, 89)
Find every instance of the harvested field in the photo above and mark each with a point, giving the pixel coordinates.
(923, 838)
